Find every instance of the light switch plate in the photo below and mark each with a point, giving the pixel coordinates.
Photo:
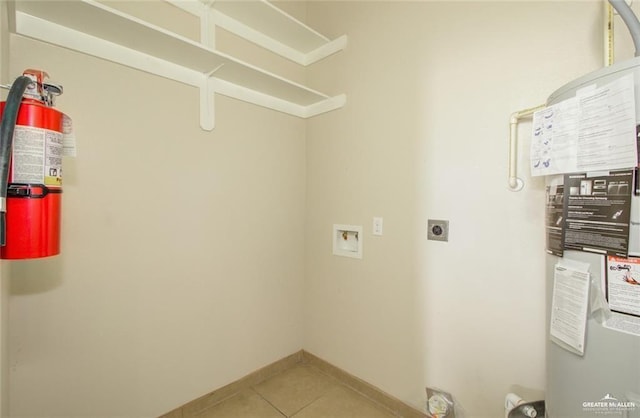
(437, 230)
(377, 225)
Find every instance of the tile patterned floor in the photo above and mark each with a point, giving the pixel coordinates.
(302, 391)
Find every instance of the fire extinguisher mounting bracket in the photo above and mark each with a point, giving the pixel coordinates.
(55, 89)
(33, 191)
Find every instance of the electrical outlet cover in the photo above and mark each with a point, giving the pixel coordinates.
(437, 230)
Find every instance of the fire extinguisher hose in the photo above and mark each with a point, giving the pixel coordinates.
(7, 126)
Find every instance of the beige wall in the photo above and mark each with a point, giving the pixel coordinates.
(191, 258)
(182, 252)
(4, 279)
(430, 88)
(4, 341)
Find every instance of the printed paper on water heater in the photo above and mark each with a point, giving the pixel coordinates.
(594, 131)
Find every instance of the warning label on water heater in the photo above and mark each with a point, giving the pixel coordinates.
(37, 156)
(597, 212)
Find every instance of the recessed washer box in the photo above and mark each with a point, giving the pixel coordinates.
(347, 240)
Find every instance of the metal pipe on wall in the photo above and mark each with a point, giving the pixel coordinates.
(630, 19)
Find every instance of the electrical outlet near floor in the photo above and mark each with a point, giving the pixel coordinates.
(439, 404)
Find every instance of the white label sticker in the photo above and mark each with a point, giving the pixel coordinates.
(37, 156)
(69, 138)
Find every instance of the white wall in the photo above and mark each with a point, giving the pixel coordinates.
(182, 252)
(431, 86)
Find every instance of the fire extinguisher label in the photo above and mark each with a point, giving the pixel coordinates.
(69, 148)
(37, 156)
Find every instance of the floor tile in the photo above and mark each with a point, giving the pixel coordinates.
(246, 404)
(343, 402)
(295, 388)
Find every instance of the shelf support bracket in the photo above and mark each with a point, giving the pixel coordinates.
(207, 26)
(207, 103)
(207, 100)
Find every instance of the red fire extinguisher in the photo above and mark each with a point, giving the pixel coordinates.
(31, 166)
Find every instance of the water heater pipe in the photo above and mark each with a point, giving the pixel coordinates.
(631, 20)
(512, 401)
(515, 183)
(622, 8)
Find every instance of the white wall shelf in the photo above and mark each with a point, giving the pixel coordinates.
(98, 30)
(266, 25)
